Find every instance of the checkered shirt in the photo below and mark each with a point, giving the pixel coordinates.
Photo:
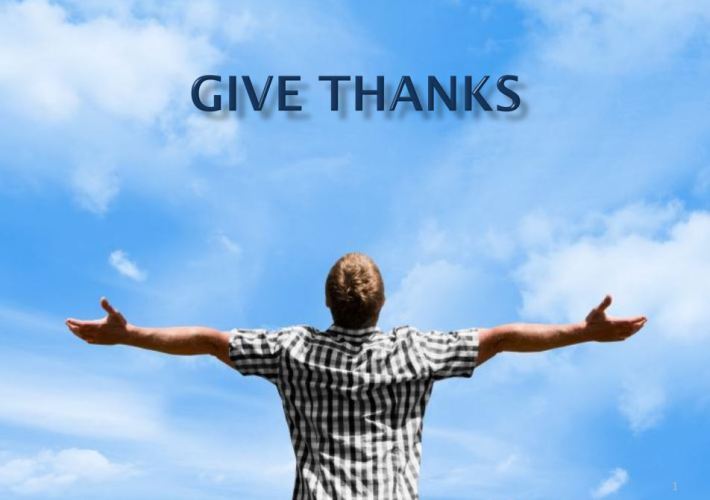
(354, 400)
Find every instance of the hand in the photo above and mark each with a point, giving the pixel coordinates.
(603, 328)
(109, 330)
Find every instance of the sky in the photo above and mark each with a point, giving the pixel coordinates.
(112, 183)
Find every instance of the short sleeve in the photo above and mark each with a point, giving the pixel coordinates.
(448, 354)
(256, 351)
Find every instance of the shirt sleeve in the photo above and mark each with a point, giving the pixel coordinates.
(448, 354)
(256, 351)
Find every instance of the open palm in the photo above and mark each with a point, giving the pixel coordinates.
(108, 330)
(603, 328)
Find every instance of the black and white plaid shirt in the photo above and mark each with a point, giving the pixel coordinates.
(354, 400)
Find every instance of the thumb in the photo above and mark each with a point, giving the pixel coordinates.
(108, 307)
(606, 302)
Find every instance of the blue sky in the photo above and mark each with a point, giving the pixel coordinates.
(113, 184)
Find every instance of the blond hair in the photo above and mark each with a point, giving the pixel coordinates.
(354, 291)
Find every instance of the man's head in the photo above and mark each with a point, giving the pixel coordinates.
(354, 291)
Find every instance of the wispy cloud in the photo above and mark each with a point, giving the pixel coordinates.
(618, 478)
(84, 407)
(26, 319)
(642, 402)
(619, 37)
(431, 295)
(50, 472)
(228, 243)
(121, 263)
(477, 460)
(95, 186)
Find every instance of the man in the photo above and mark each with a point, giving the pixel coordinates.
(354, 396)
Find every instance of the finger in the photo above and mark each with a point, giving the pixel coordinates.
(628, 320)
(84, 326)
(87, 322)
(80, 322)
(635, 327)
(606, 302)
(79, 333)
(73, 327)
(633, 321)
(78, 329)
(107, 306)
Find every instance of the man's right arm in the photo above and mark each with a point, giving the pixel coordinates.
(179, 340)
(536, 337)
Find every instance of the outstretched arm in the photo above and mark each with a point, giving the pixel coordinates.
(535, 337)
(180, 340)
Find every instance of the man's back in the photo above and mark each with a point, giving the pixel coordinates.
(354, 400)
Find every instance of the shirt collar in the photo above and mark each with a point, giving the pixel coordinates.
(353, 331)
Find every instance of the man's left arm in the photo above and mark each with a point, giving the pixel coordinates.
(536, 337)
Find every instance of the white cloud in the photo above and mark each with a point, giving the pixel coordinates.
(125, 69)
(618, 478)
(653, 260)
(235, 27)
(621, 36)
(95, 187)
(431, 239)
(121, 263)
(107, 95)
(50, 471)
(104, 87)
(53, 400)
(430, 294)
(582, 140)
(212, 135)
(642, 403)
(665, 276)
(229, 244)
